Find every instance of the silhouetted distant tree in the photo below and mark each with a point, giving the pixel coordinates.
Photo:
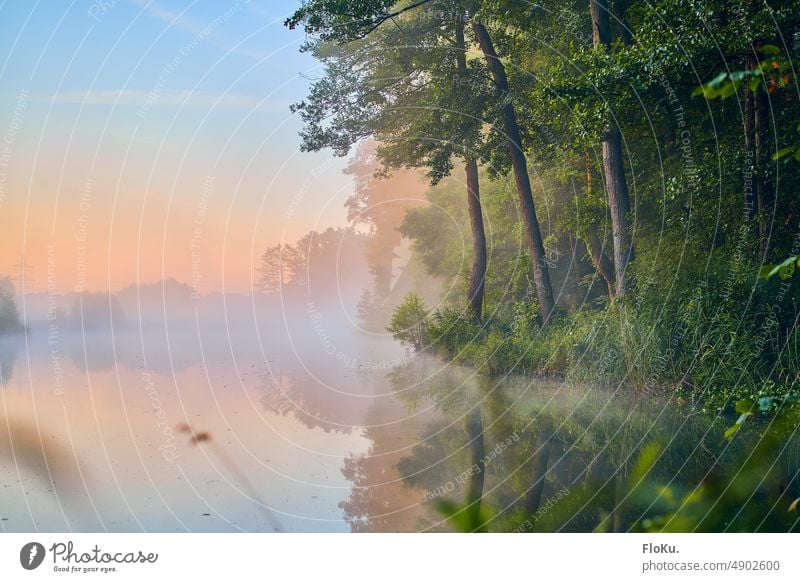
(9, 316)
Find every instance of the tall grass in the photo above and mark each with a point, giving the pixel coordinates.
(710, 350)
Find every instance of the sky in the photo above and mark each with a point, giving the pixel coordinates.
(141, 140)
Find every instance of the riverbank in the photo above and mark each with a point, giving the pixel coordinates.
(701, 349)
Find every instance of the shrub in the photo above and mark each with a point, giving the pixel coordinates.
(450, 332)
(409, 323)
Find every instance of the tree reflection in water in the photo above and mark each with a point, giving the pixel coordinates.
(522, 455)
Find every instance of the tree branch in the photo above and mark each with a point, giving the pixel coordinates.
(375, 22)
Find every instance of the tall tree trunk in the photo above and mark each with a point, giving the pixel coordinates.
(613, 168)
(600, 261)
(619, 207)
(541, 275)
(620, 9)
(477, 278)
(601, 26)
(595, 246)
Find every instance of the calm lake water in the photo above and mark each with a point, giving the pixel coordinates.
(322, 429)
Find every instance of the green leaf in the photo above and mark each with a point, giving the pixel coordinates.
(764, 272)
(745, 409)
(769, 49)
(784, 270)
(730, 89)
(731, 432)
(783, 152)
(647, 458)
(716, 81)
(714, 87)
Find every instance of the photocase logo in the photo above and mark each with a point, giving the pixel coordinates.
(31, 555)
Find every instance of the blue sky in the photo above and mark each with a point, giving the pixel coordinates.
(144, 100)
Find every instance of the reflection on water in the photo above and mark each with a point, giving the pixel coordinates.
(258, 429)
(9, 347)
(522, 455)
(282, 415)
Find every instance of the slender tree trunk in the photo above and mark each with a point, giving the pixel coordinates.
(620, 9)
(613, 168)
(601, 26)
(541, 275)
(600, 261)
(758, 190)
(595, 246)
(619, 207)
(477, 278)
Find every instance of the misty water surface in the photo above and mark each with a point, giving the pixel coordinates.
(305, 423)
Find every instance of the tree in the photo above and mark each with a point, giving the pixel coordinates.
(379, 202)
(519, 164)
(409, 322)
(9, 316)
(276, 269)
(431, 110)
(613, 167)
(322, 264)
(477, 278)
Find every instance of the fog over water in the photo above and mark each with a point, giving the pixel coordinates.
(294, 419)
(283, 398)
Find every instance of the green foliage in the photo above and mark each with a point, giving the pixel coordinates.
(770, 74)
(409, 323)
(749, 494)
(739, 486)
(464, 518)
(702, 320)
(401, 85)
(785, 270)
(695, 344)
(526, 320)
(450, 331)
